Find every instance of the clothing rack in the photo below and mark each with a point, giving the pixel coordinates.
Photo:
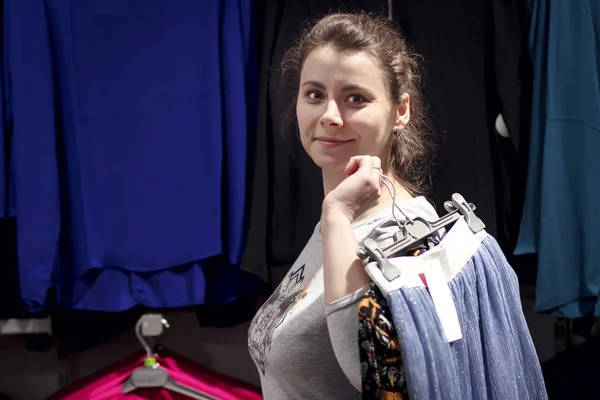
(25, 326)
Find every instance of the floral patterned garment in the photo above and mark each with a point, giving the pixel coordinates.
(382, 369)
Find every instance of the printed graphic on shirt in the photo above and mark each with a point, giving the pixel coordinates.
(273, 313)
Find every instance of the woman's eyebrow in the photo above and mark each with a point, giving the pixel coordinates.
(346, 88)
(314, 83)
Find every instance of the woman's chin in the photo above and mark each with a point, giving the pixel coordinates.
(327, 163)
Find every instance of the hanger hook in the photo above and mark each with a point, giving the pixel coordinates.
(392, 190)
(141, 338)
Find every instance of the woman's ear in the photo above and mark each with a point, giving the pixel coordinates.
(403, 112)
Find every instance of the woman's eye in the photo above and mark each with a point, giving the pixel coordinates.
(357, 98)
(314, 95)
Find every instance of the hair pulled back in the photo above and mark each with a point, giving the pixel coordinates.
(361, 32)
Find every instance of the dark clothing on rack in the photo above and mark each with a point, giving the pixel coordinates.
(573, 374)
(475, 66)
(475, 63)
(287, 186)
(4, 140)
(10, 295)
(83, 330)
(250, 291)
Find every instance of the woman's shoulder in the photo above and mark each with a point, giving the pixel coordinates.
(415, 207)
(382, 225)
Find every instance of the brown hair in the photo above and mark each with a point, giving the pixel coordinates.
(411, 149)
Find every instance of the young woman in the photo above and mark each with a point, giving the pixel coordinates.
(359, 115)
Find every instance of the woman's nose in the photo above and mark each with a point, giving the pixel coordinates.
(332, 115)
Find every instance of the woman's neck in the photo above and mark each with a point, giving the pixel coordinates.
(332, 178)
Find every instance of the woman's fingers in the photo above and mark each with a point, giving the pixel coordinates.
(376, 173)
(370, 167)
(352, 166)
(376, 167)
(361, 190)
(369, 164)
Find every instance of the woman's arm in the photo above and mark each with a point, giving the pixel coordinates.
(353, 198)
(344, 274)
(343, 270)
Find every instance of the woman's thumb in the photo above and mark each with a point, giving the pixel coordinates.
(352, 165)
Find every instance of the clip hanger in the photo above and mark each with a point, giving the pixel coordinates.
(413, 231)
(418, 229)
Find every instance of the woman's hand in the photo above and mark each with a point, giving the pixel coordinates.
(359, 192)
(343, 271)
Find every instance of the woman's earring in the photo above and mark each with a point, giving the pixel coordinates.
(396, 130)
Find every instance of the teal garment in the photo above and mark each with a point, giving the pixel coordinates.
(561, 217)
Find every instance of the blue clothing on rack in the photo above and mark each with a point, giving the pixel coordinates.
(561, 217)
(461, 329)
(29, 109)
(139, 122)
(3, 130)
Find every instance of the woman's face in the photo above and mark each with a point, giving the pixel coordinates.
(344, 109)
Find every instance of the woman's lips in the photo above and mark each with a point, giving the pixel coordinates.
(331, 143)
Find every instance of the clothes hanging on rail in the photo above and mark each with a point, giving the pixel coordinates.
(129, 149)
(9, 283)
(3, 121)
(486, 350)
(381, 361)
(29, 126)
(572, 373)
(10, 294)
(475, 68)
(108, 382)
(287, 189)
(561, 216)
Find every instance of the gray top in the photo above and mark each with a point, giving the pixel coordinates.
(304, 349)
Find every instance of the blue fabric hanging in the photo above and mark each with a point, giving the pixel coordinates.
(463, 334)
(561, 216)
(130, 141)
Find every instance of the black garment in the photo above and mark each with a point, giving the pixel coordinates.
(573, 374)
(84, 330)
(287, 187)
(10, 293)
(381, 361)
(476, 68)
(227, 315)
(476, 63)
